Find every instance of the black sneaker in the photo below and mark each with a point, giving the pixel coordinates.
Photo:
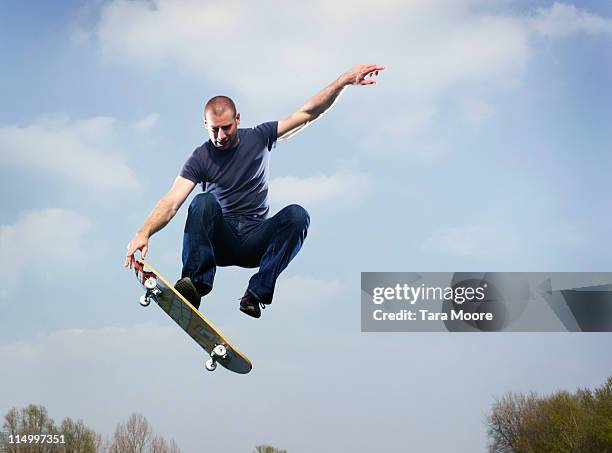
(188, 290)
(250, 305)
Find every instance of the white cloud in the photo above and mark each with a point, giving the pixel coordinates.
(102, 375)
(40, 243)
(146, 124)
(82, 151)
(473, 240)
(74, 343)
(562, 20)
(300, 295)
(461, 241)
(441, 43)
(384, 139)
(60, 369)
(318, 189)
(502, 242)
(475, 111)
(428, 48)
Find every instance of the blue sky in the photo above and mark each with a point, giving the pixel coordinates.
(484, 146)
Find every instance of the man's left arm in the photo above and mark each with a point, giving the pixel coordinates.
(325, 99)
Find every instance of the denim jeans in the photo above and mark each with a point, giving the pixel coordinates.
(213, 239)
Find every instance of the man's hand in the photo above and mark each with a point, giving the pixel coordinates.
(357, 75)
(140, 242)
(161, 215)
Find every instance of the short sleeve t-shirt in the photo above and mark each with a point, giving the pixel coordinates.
(237, 177)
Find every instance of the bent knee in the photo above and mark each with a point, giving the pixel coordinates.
(297, 215)
(204, 202)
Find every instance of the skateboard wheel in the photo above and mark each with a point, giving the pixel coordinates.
(150, 283)
(144, 301)
(211, 365)
(220, 351)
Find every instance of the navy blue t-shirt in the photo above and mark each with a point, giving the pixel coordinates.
(237, 177)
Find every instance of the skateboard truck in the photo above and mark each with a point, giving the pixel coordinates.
(152, 291)
(218, 351)
(149, 281)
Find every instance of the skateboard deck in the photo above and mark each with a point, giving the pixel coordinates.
(194, 323)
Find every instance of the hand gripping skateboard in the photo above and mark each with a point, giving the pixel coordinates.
(194, 323)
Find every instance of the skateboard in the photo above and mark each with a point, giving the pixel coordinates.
(194, 323)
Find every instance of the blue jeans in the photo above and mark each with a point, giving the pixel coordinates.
(212, 239)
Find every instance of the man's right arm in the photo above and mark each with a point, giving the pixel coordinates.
(160, 216)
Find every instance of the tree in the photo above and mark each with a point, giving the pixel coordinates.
(32, 420)
(132, 437)
(268, 449)
(79, 438)
(561, 422)
(508, 422)
(136, 436)
(159, 445)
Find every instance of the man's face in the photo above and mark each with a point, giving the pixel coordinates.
(223, 129)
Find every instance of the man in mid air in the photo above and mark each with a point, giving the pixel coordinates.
(228, 224)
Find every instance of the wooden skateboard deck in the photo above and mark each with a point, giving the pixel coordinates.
(194, 323)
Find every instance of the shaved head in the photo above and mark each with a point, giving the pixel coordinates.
(218, 105)
(222, 120)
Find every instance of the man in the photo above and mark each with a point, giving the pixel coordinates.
(228, 224)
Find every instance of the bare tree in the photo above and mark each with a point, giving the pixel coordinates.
(268, 449)
(79, 438)
(507, 424)
(136, 436)
(32, 420)
(132, 437)
(10, 428)
(159, 445)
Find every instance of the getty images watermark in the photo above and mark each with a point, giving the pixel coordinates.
(411, 295)
(486, 302)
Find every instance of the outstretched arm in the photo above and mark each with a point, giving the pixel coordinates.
(325, 99)
(159, 217)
